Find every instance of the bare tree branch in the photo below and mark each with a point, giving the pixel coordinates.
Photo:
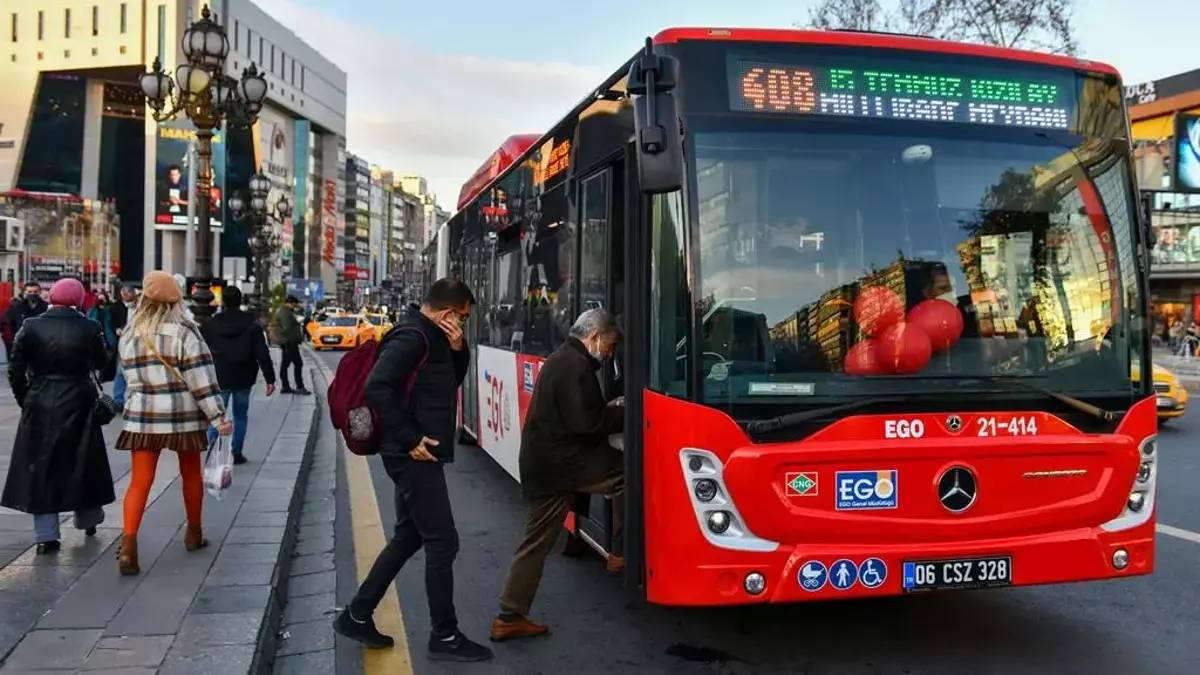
(1044, 25)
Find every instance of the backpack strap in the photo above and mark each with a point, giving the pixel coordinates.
(412, 377)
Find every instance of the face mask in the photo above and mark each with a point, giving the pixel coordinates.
(31, 298)
(949, 297)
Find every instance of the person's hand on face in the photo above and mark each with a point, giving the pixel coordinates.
(451, 323)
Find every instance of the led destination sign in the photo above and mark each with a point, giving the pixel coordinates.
(878, 92)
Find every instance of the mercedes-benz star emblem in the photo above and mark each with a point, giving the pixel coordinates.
(957, 489)
(954, 423)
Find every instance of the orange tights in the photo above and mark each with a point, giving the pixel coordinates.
(145, 463)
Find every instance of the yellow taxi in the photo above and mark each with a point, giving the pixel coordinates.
(380, 323)
(341, 332)
(1172, 396)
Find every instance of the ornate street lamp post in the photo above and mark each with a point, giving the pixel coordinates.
(264, 241)
(208, 97)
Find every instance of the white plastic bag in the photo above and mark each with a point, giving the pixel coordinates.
(218, 468)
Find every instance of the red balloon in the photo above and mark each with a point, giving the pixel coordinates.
(876, 308)
(904, 348)
(940, 320)
(864, 359)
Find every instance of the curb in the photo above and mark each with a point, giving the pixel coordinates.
(268, 634)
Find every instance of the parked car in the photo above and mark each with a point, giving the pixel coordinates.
(342, 332)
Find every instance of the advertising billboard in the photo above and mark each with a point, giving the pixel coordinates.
(1187, 153)
(275, 161)
(171, 188)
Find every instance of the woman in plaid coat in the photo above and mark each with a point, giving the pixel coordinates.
(171, 401)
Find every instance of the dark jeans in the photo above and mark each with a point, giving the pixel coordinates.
(291, 354)
(423, 518)
(241, 417)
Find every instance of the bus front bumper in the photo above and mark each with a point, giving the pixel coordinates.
(1074, 555)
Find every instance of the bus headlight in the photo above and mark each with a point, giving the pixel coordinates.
(1139, 506)
(718, 521)
(1137, 501)
(716, 514)
(1145, 471)
(706, 489)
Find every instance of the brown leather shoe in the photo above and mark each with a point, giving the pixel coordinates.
(521, 627)
(193, 539)
(127, 558)
(615, 564)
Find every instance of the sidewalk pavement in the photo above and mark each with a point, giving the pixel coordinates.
(212, 611)
(1184, 368)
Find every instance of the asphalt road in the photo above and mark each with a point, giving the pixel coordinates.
(1138, 625)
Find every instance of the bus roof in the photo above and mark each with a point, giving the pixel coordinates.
(517, 146)
(509, 151)
(881, 40)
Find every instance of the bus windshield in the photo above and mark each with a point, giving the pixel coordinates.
(1022, 236)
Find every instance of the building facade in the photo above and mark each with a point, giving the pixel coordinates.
(73, 126)
(1165, 117)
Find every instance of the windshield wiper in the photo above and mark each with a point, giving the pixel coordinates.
(1076, 403)
(792, 419)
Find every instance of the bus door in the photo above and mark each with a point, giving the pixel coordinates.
(473, 276)
(602, 285)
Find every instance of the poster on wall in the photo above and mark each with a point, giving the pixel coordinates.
(1187, 153)
(275, 161)
(171, 187)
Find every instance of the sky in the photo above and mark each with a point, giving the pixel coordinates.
(436, 85)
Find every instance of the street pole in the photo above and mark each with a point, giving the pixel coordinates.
(189, 238)
(202, 297)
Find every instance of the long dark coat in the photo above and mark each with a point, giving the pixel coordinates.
(564, 445)
(59, 462)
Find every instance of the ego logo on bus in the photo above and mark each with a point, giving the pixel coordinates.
(903, 429)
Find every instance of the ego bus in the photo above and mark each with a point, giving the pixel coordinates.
(882, 298)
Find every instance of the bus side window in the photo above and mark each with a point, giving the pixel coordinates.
(593, 262)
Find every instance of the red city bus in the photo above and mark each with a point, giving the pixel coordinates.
(884, 300)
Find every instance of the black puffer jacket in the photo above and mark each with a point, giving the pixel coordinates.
(59, 462)
(239, 349)
(432, 409)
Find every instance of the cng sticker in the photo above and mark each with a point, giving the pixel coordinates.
(801, 484)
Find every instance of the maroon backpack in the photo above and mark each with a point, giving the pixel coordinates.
(348, 409)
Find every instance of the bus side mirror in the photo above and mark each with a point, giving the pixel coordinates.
(656, 121)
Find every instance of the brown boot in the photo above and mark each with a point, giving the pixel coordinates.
(127, 558)
(194, 539)
(520, 627)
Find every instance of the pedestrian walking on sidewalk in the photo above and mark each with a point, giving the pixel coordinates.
(239, 351)
(289, 334)
(101, 312)
(30, 305)
(59, 462)
(120, 318)
(565, 450)
(420, 365)
(173, 399)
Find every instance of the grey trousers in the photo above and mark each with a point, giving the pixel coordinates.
(45, 525)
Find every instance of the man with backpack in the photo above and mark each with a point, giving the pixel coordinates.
(413, 388)
(239, 351)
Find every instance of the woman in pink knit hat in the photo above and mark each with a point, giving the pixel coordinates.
(59, 462)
